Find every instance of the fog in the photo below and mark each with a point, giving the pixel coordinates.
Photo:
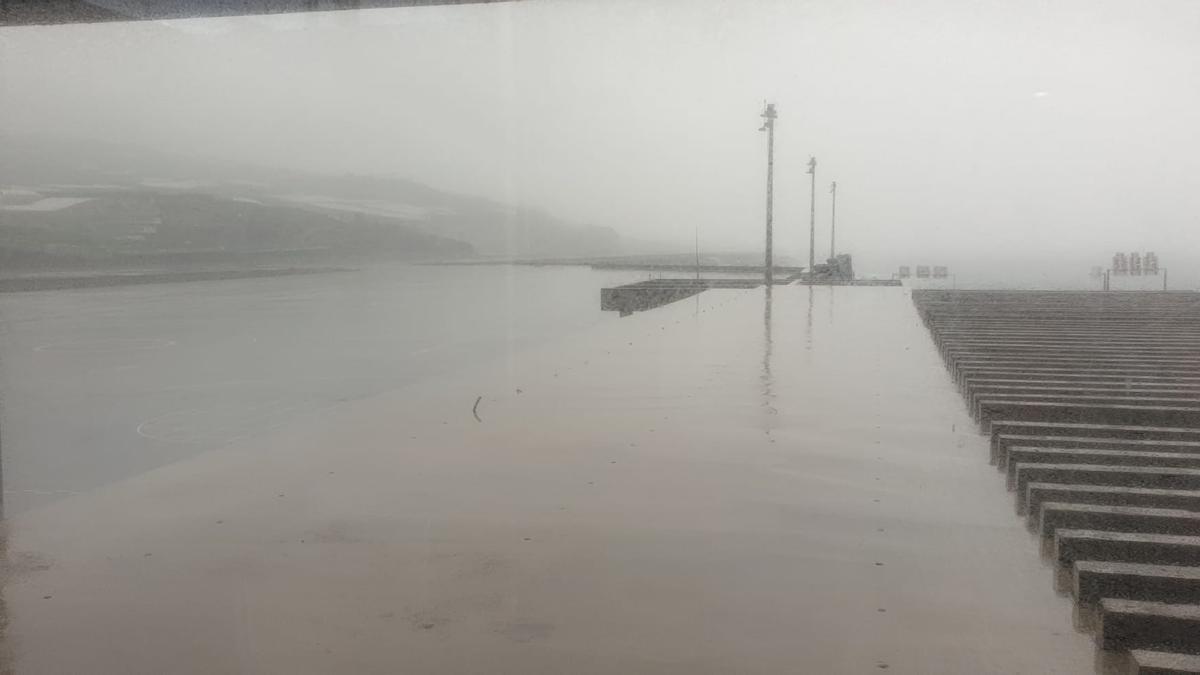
(968, 133)
(373, 341)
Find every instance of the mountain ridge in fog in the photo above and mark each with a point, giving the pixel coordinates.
(53, 183)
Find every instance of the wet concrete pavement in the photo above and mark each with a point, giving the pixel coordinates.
(725, 484)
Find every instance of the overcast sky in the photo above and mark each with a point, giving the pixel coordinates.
(956, 130)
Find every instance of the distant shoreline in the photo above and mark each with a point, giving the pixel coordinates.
(64, 282)
(625, 264)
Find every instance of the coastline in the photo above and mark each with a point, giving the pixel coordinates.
(75, 281)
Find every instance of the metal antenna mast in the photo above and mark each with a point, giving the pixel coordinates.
(833, 220)
(768, 126)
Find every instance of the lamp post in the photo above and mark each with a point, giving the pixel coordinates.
(769, 116)
(812, 216)
(833, 220)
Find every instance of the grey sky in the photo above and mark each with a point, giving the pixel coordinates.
(956, 130)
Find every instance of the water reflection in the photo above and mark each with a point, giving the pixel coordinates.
(6, 659)
(767, 379)
(1, 467)
(6, 662)
(808, 322)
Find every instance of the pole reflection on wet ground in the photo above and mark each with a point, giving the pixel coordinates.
(808, 322)
(768, 394)
(6, 659)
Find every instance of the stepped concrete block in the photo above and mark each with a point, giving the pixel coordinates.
(1133, 624)
(1142, 662)
(1057, 515)
(1020, 454)
(1164, 478)
(1111, 495)
(1003, 442)
(1124, 414)
(1169, 584)
(1071, 546)
(1186, 399)
(1098, 431)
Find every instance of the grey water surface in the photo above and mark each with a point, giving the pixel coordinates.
(102, 384)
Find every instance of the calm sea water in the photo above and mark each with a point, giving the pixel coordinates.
(102, 384)
(97, 385)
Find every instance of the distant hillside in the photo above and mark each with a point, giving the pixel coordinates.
(118, 226)
(82, 198)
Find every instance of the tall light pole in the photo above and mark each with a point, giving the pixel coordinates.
(812, 217)
(833, 220)
(768, 126)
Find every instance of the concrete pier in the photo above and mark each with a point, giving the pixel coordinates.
(644, 295)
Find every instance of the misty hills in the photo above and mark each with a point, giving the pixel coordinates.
(71, 203)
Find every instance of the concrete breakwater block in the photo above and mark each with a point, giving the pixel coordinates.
(1098, 383)
(1170, 584)
(1109, 495)
(1144, 662)
(965, 371)
(1025, 455)
(975, 392)
(1005, 441)
(1071, 546)
(1057, 515)
(1098, 431)
(1161, 477)
(968, 372)
(977, 407)
(1183, 361)
(973, 373)
(952, 351)
(1044, 411)
(1135, 624)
